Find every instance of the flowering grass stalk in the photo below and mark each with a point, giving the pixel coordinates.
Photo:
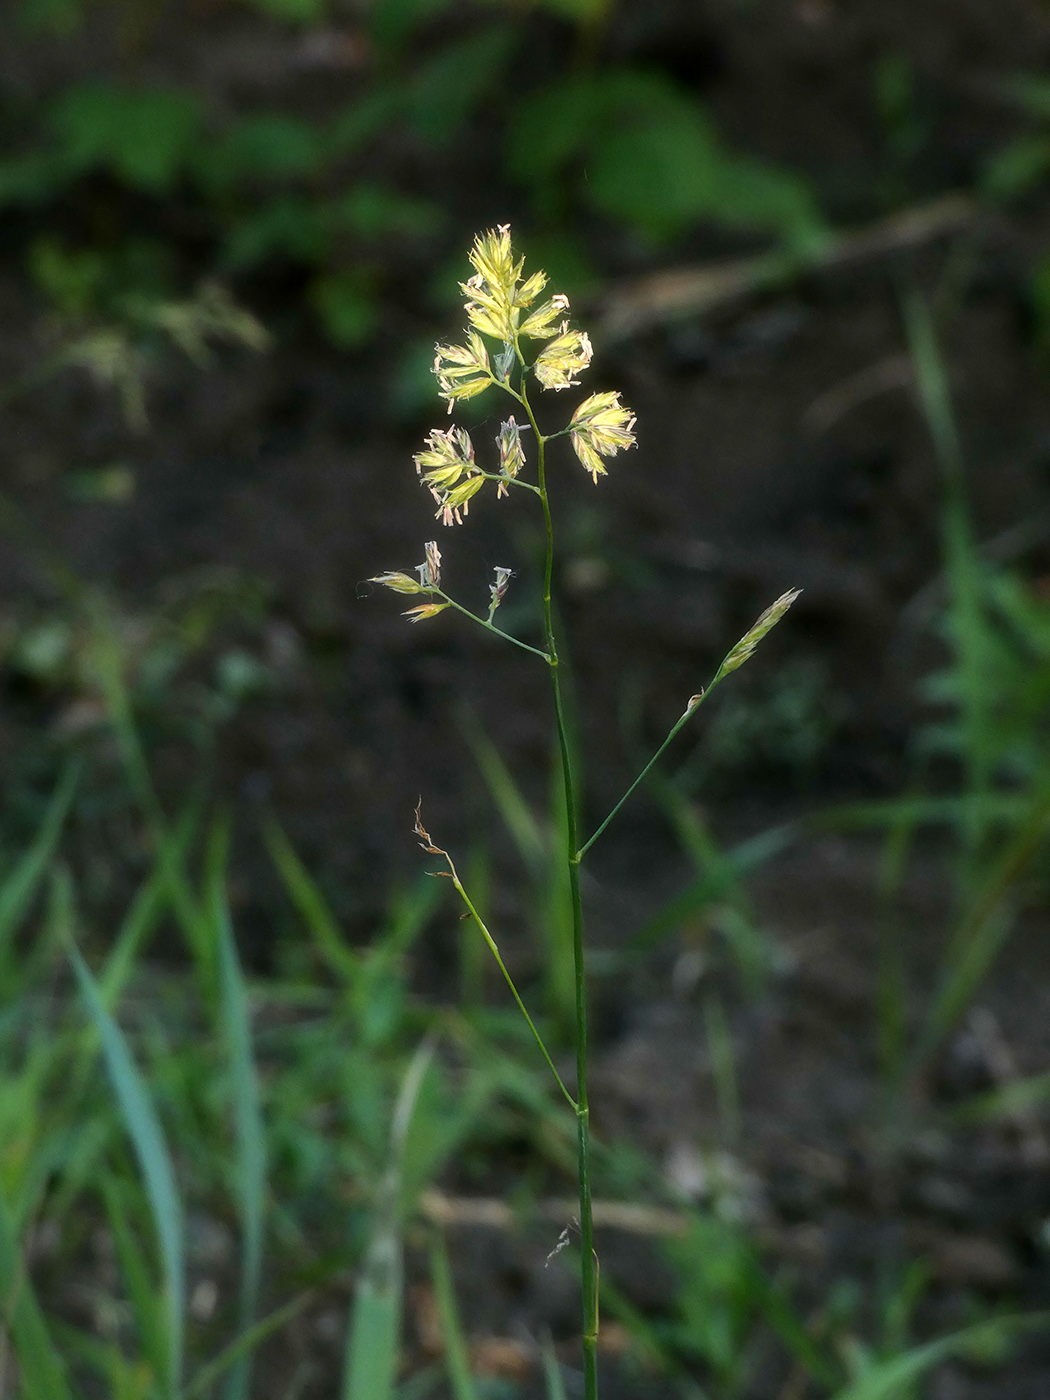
(501, 308)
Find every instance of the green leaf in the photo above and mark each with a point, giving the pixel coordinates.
(375, 1320)
(447, 89)
(644, 153)
(461, 1382)
(1017, 168)
(886, 1380)
(313, 908)
(250, 1162)
(373, 211)
(247, 1342)
(150, 1320)
(346, 306)
(144, 1129)
(1030, 92)
(144, 136)
(291, 226)
(363, 119)
(552, 1375)
(391, 22)
(271, 146)
(32, 178)
(41, 1370)
(20, 885)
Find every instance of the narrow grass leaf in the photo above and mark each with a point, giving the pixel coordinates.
(375, 1321)
(985, 927)
(41, 1370)
(375, 1328)
(887, 1379)
(1018, 1097)
(145, 911)
(311, 904)
(552, 1375)
(713, 885)
(20, 886)
(208, 1376)
(510, 803)
(144, 1129)
(247, 1112)
(150, 1322)
(456, 1359)
(409, 915)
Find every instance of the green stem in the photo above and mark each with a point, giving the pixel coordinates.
(488, 626)
(510, 481)
(493, 948)
(678, 725)
(588, 1258)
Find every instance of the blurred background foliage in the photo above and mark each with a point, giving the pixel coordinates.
(347, 192)
(266, 1128)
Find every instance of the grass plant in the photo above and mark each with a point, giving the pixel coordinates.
(989, 726)
(505, 325)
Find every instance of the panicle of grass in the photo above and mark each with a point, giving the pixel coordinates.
(600, 428)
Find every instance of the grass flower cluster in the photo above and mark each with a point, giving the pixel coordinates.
(501, 308)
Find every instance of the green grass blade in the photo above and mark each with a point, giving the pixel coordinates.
(1012, 1100)
(145, 912)
(375, 1325)
(713, 885)
(517, 817)
(18, 888)
(148, 1309)
(247, 1110)
(554, 916)
(552, 1375)
(785, 1322)
(966, 617)
(144, 1129)
(887, 1380)
(984, 929)
(456, 1359)
(375, 1321)
(409, 915)
(41, 1369)
(311, 904)
(243, 1345)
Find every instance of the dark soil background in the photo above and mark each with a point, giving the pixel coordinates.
(780, 445)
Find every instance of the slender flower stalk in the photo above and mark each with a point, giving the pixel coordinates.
(496, 298)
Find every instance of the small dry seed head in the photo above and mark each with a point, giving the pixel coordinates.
(400, 583)
(751, 639)
(601, 427)
(498, 590)
(424, 835)
(560, 359)
(432, 566)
